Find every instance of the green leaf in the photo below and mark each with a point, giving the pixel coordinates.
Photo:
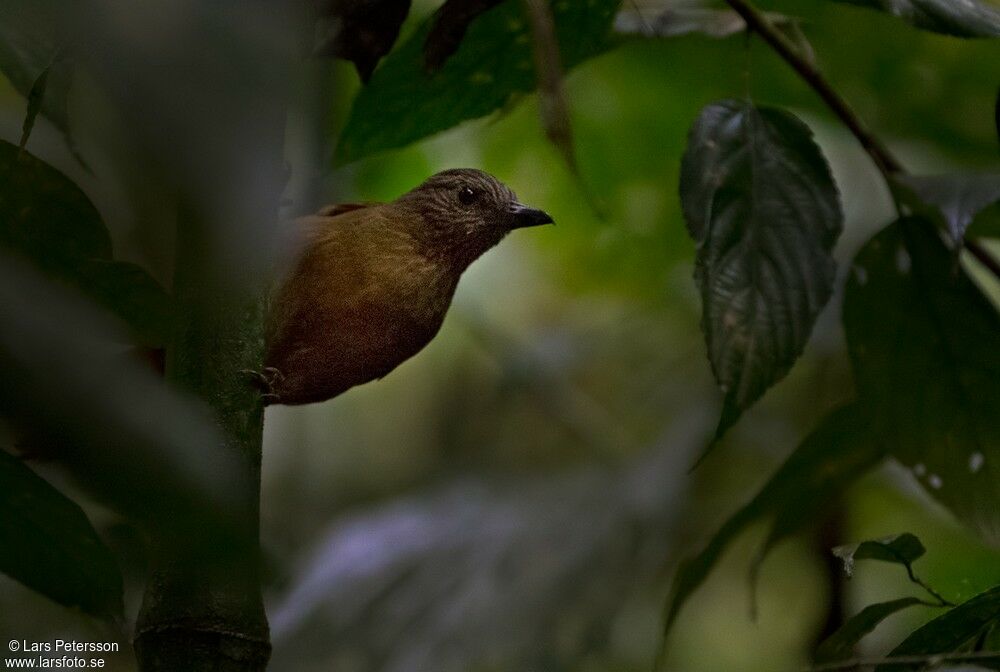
(902, 549)
(958, 198)
(840, 644)
(950, 632)
(404, 102)
(760, 202)
(828, 460)
(47, 219)
(922, 339)
(47, 543)
(964, 18)
(29, 52)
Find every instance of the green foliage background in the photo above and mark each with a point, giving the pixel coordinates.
(580, 343)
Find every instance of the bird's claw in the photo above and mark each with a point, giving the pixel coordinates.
(266, 380)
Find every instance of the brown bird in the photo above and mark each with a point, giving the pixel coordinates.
(370, 284)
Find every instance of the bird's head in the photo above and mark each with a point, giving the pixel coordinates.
(464, 212)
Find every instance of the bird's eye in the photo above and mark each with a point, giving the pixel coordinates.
(466, 196)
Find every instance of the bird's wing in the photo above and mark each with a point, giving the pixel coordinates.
(340, 208)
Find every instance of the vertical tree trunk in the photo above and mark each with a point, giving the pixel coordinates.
(203, 609)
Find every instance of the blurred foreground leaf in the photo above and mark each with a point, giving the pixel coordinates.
(124, 435)
(28, 52)
(922, 339)
(828, 460)
(961, 18)
(958, 198)
(404, 102)
(840, 644)
(760, 203)
(45, 218)
(420, 583)
(47, 543)
(955, 630)
(902, 549)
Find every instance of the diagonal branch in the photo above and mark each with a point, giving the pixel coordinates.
(883, 158)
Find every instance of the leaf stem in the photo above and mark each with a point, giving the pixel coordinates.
(881, 155)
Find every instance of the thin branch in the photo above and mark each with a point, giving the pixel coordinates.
(757, 21)
(883, 158)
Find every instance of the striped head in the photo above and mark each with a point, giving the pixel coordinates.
(465, 212)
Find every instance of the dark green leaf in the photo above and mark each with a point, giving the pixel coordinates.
(902, 549)
(404, 102)
(959, 198)
(132, 295)
(44, 216)
(47, 219)
(360, 31)
(951, 631)
(761, 204)
(840, 644)
(828, 460)
(450, 23)
(29, 52)
(922, 339)
(962, 18)
(987, 224)
(47, 543)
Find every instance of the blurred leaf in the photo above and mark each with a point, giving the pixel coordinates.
(44, 216)
(825, 463)
(761, 204)
(384, 583)
(962, 18)
(902, 549)
(129, 292)
(950, 632)
(986, 224)
(47, 219)
(47, 543)
(959, 198)
(124, 435)
(840, 644)
(450, 23)
(404, 103)
(360, 31)
(680, 21)
(922, 339)
(29, 55)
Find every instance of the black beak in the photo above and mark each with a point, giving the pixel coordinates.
(524, 216)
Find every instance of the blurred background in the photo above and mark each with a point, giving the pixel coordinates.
(517, 496)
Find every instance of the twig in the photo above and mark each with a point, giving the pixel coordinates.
(883, 158)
